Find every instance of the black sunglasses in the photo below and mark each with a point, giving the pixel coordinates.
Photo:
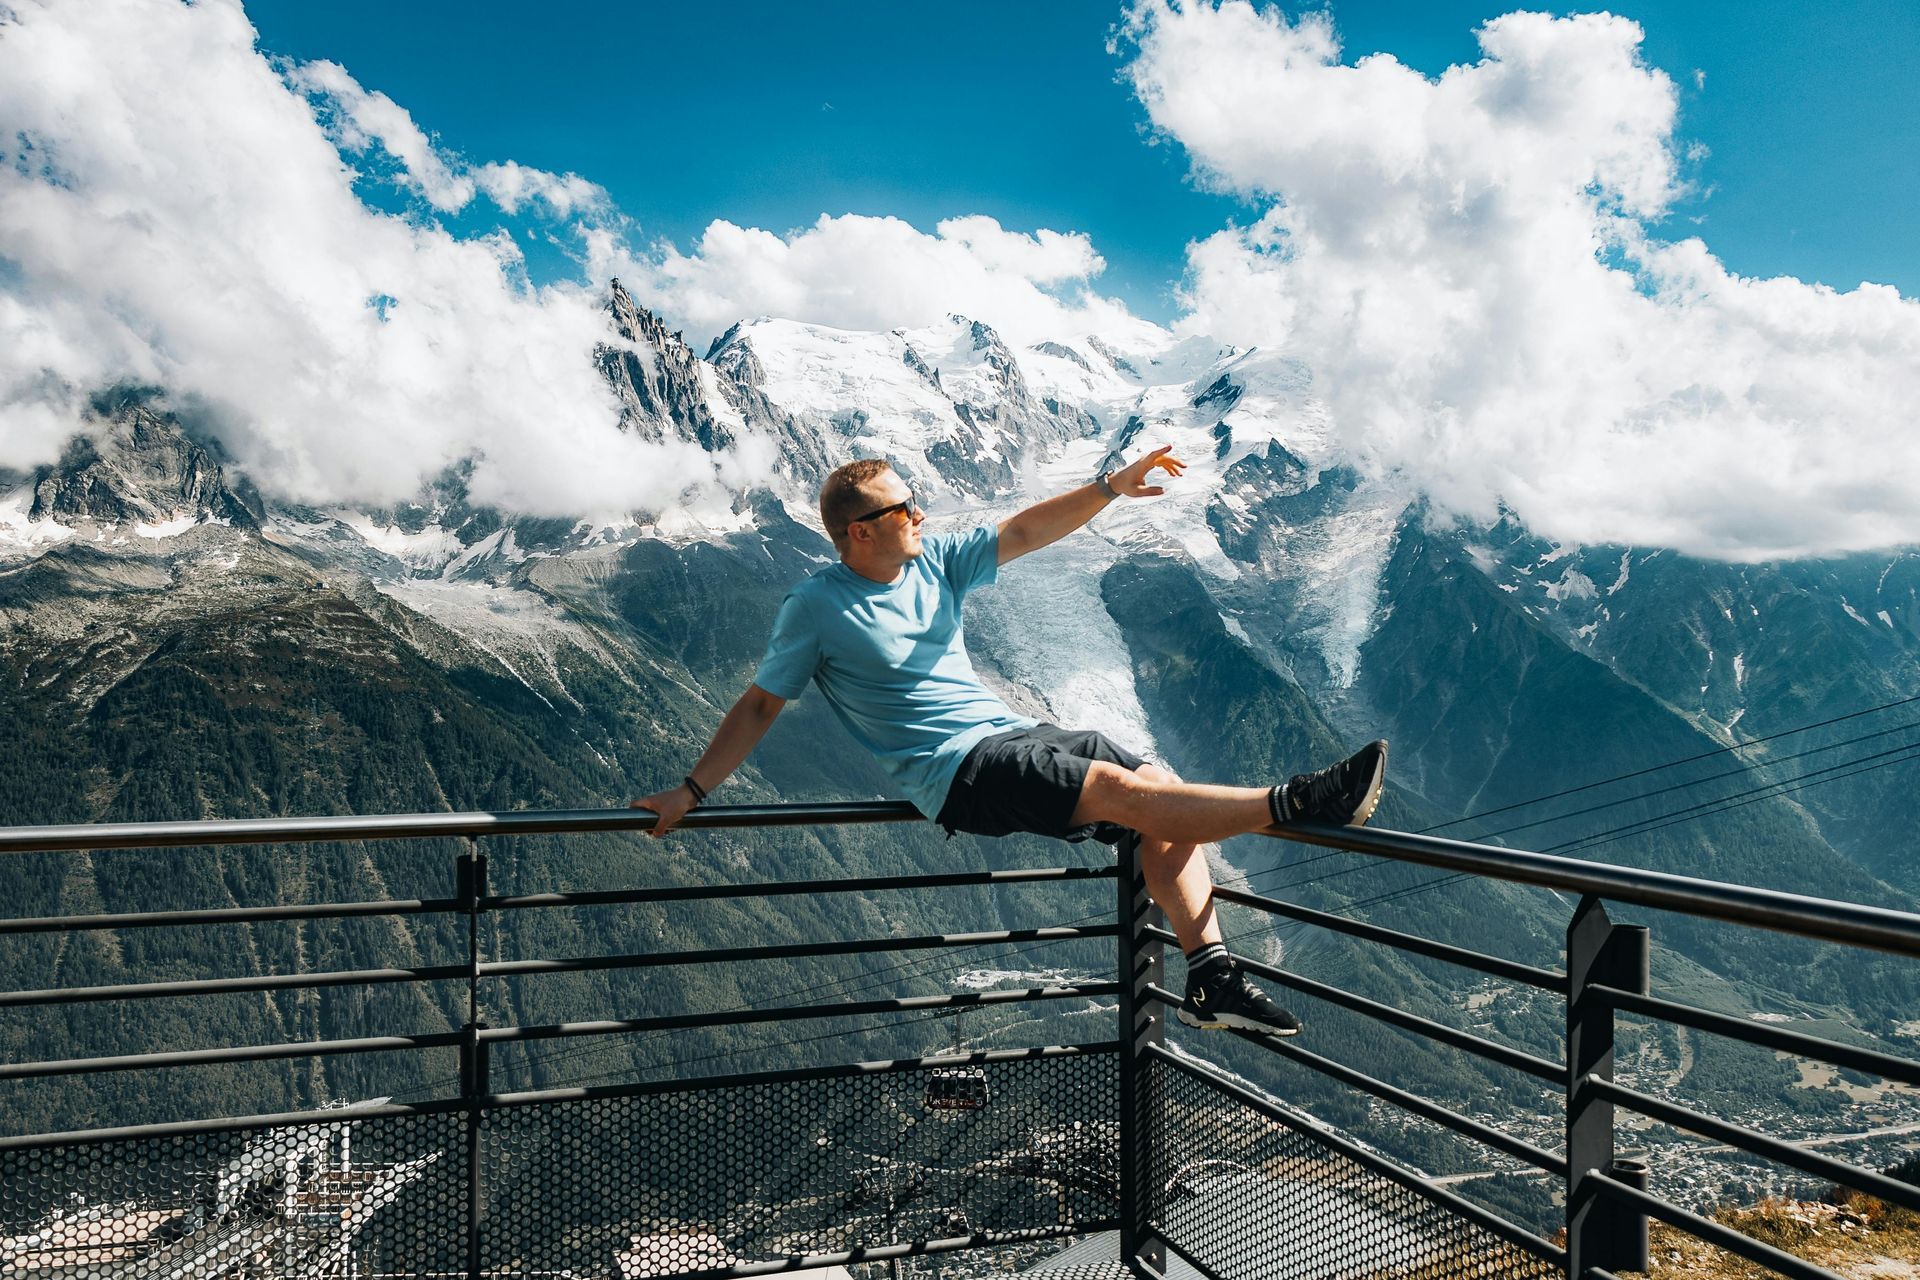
(905, 508)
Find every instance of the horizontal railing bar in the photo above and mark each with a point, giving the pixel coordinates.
(1851, 923)
(230, 915)
(614, 897)
(773, 889)
(241, 1053)
(1538, 1157)
(793, 1075)
(737, 1017)
(1757, 1143)
(1513, 970)
(231, 1124)
(1552, 1073)
(882, 1252)
(1492, 1222)
(788, 950)
(407, 826)
(227, 986)
(1905, 1070)
(1712, 1232)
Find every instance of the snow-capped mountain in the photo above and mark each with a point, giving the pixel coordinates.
(173, 645)
(1291, 542)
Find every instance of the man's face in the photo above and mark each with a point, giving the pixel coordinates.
(896, 532)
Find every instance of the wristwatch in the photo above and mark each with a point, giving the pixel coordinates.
(1106, 486)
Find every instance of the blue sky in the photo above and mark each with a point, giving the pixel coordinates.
(782, 112)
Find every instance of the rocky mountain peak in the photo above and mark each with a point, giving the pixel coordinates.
(635, 323)
(141, 467)
(656, 377)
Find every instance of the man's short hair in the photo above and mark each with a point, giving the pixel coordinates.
(841, 498)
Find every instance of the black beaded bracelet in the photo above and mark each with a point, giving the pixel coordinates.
(699, 796)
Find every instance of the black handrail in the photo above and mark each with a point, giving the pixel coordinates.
(413, 826)
(1594, 985)
(1553, 1073)
(1892, 1190)
(1413, 1104)
(1494, 966)
(1905, 1070)
(1854, 924)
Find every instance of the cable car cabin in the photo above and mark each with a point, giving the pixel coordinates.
(952, 1090)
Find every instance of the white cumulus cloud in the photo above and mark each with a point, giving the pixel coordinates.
(1475, 269)
(178, 211)
(868, 273)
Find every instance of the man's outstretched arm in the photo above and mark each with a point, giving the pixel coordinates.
(739, 733)
(1048, 522)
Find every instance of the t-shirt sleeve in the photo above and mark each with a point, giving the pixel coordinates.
(793, 654)
(971, 559)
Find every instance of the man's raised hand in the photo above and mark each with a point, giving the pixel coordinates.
(1130, 481)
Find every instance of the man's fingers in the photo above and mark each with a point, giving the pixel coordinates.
(1154, 492)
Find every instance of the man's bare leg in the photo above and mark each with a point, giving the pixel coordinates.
(1164, 809)
(1179, 883)
(1218, 994)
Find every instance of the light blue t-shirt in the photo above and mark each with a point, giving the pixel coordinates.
(892, 662)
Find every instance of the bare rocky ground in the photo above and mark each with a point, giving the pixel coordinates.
(1862, 1239)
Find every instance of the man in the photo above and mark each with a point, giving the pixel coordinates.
(880, 633)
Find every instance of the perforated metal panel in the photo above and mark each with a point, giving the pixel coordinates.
(372, 1197)
(1250, 1199)
(668, 1183)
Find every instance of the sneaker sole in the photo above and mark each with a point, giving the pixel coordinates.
(1372, 800)
(1234, 1021)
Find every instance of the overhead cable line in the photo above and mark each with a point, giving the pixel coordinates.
(1596, 840)
(1712, 777)
(1637, 773)
(1706, 807)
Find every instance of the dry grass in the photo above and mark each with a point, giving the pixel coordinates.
(1856, 1236)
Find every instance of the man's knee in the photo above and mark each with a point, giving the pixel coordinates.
(1150, 847)
(1156, 773)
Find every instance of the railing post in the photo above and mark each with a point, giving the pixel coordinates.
(470, 887)
(1142, 961)
(1601, 1232)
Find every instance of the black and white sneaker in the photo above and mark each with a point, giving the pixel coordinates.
(1341, 795)
(1228, 999)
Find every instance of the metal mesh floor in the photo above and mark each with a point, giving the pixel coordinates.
(383, 1195)
(1250, 1199)
(641, 1184)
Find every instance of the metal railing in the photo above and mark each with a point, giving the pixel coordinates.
(765, 1172)
(1607, 972)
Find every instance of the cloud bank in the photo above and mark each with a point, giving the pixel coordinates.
(177, 211)
(1472, 265)
(867, 273)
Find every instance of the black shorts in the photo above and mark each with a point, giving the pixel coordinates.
(1029, 780)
